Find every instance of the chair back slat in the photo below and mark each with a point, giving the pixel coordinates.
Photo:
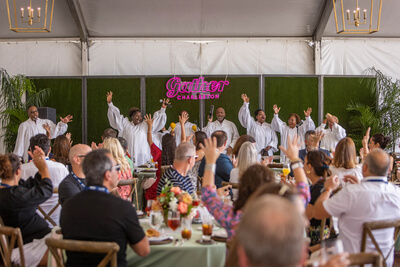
(362, 258)
(8, 237)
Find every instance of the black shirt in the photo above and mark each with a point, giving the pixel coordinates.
(69, 187)
(99, 216)
(18, 207)
(316, 191)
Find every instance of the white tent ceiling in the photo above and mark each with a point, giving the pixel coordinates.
(197, 19)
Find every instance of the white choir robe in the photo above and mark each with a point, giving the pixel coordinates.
(178, 131)
(262, 133)
(135, 135)
(29, 128)
(332, 136)
(279, 126)
(226, 126)
(57, 172)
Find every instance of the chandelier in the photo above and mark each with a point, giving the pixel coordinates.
(355, 20)
(34, 19)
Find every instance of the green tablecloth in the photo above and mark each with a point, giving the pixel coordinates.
(190, 254)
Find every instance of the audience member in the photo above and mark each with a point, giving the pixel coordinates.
(223, 165)
(193, 173)
(75, 182)
(333, 134)
(311, 140)
(18, 203)
(240, 141)
(96, 215)
(57, 172)
(185, 155)
(371, 200)
(221, 124)
(188, 128)
(61, 148)
(124, 145)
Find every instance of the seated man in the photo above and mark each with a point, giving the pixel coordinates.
(311, 140)
(57, 171)
(372, 200)
(185, 155)
(223, 164)
(75, 182)
(96, 215)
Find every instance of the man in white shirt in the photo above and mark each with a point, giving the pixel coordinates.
(33, 126)
(261, 131)
(57, 172)
(221, 124)
(333, 134)
(135, 131)
(190, 128)
(374, 199)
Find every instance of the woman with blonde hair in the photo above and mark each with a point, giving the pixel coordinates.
(345, 161)
(125, 173)
(247, 156)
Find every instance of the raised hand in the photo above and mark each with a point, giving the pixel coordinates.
(234, 161)
(211, 153)
(94, 146)
(245, 98)
(67, 119)
(68, 135)
(109, 97)
(165, 102)
(317, 137)
(332, 182)
(183, 118)
(308, 112)
(188, 138)
(276, 109)
(148, 120)
(39, 160)
(293, 146)
(366, 138)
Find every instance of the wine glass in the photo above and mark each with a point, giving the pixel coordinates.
(286, 169)
(155, 219)
(174, 220)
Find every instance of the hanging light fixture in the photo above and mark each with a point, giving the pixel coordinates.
(34, 19)
(354, 20)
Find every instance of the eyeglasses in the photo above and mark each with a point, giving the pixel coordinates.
(33, 111)
(195, 156)
(116, 167)
(81, 156)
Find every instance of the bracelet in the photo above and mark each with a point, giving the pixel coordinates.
(296, 160)
(210, 166)
(296, 165)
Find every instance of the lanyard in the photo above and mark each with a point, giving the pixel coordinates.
(78, 180)
(96, 188)
(376, 181)
(6, 185)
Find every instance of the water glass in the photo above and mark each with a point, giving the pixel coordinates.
(207, 226)
(186, 226)
(156, 218)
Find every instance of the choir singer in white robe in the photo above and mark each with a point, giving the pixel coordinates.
(293, 127)
(33, 126)
(333, 134)
(190, 128)
(223, 125)
(135, 131)
(261, 131)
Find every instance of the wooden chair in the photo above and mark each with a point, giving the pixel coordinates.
(8, 237)
(47, 215)
(368, 227)
(199, 184)
(109, 248)
(133, 183)
(362, 258)
(234, 185)
(163, 169)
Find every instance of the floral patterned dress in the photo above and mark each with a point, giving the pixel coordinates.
(124, 190)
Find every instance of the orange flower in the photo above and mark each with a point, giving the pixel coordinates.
(182, 207)
(186, 198)
(176, 190)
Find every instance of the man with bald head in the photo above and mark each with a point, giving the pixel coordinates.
(221, 124)
(372, 199)
(75, 182)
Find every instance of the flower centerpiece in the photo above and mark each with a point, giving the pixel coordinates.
(174, 198)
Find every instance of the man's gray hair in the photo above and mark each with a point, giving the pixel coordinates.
(377, 162)
(94, 166)
(184, 150)
(271, 232)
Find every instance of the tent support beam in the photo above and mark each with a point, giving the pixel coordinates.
(323, 21)
(77, 15)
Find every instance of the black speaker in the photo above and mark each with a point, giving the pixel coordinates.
(48, 113)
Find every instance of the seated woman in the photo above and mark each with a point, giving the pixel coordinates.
(345, 161)
(247, 156)
(242, 139)
(255, 176)
(125, 173)
(316, 166)
(18, 203)
(198, 138)
(61, 148)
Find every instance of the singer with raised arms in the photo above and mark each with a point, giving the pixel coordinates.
(135, 131)
(266, 139)
(294, 127)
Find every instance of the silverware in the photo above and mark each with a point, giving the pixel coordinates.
(176, 242)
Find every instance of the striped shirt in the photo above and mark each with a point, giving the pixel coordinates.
(183, 182)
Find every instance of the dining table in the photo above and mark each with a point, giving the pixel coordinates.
(181, 254)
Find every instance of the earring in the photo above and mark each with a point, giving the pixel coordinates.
(308, 171)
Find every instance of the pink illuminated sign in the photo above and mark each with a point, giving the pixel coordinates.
(196, 89)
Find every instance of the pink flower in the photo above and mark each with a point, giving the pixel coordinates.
(176, 190)
(182, 207)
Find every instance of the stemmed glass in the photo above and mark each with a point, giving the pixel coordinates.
(286, 169)
(174, 220)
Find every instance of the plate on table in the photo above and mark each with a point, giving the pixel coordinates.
(162, 239)
(221, 234)
(140, 214)
(202, 242)
(149, 170)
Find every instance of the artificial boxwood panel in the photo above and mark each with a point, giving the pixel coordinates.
(66, 98)
(230, 98)
(339, 92)
(126, 94)
(156, 90)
